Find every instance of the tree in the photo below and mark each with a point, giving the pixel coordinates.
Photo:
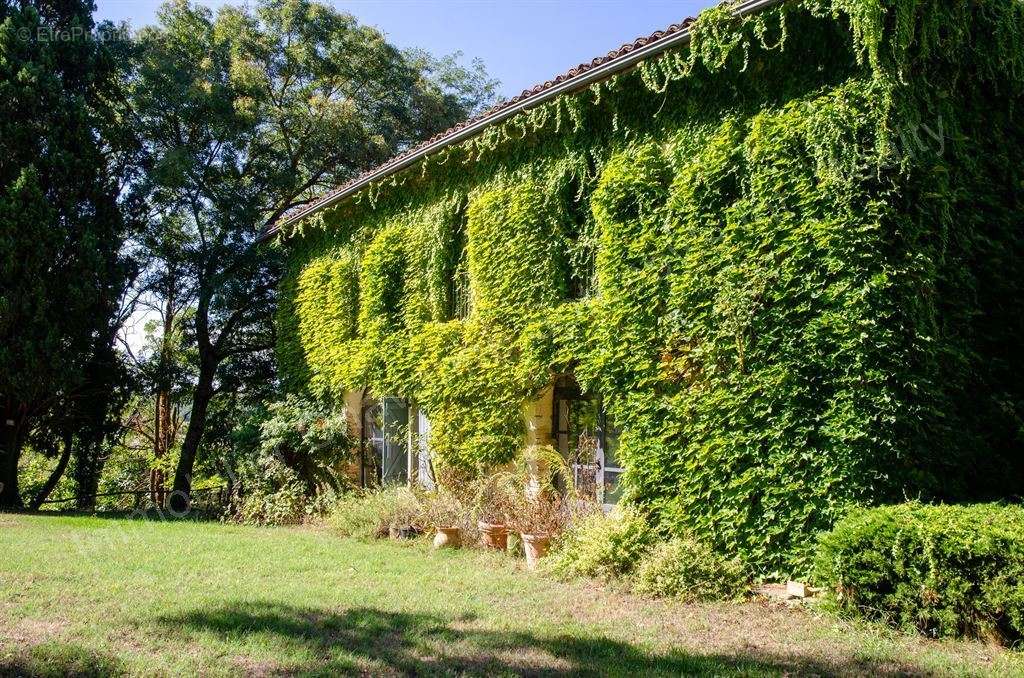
(164, 364)
(85, 424)
(94, 417)
(249, 114)
(61, 225)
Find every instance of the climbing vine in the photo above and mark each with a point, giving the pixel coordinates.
(803, 229)
(516, 251)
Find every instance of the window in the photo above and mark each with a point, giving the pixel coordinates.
(581, 241)
(384, 448)
(459, 294)
(588, 440)
(458, 271)
(611, 468)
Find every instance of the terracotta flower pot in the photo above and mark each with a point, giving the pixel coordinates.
(494, 536)
(447, 538)
(536, 547)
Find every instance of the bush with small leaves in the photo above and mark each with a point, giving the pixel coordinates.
(445, 509)
(939, 570)
(689, 569)
(603, 546)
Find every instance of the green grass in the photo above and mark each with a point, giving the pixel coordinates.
(105, 596)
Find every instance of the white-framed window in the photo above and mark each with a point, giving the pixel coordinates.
(385, 441)
(588, 440)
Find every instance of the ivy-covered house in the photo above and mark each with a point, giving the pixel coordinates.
(743, 273)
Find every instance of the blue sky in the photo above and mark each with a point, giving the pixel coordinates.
(522, 42)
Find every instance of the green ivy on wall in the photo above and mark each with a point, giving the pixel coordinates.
(804, 229)
(516, 250)
(436, 243)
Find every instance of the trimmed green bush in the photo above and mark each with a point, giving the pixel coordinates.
(939, 570)
(603, 546)
(689, 569)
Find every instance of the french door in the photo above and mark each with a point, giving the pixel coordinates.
(385, 451)
(424, 467)
(588, 441)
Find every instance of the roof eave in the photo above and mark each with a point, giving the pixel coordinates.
(585, 79)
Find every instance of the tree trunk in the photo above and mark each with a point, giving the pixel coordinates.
(162, 433)
(11, 441)
(162, 441)
(10, 498)
(181, 495)
(55, 475)
(88, 468)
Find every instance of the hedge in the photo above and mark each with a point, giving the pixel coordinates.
(941, 570)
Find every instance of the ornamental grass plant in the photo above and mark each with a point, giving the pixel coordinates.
(492, 499)
(444, 509)
(373, 513)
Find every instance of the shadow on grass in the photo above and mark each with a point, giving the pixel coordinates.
(366, 640)
(52, 658)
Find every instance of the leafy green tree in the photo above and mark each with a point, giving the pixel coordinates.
(248, 114)
(61, 225)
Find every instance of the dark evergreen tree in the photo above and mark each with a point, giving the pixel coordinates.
(61, 225)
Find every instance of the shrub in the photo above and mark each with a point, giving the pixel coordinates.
(689, 569)
(371, 514)
(603, 546)
(443, 508)
(310, 438)
(286, 502)
(291, 471)
(941, 570)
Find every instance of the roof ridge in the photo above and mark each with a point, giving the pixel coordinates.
(522, 98)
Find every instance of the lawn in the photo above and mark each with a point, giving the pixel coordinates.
(98, 595)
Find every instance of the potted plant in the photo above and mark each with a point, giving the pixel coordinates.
(537, 519)
(533, 501)
(445, 513)
(491, 507)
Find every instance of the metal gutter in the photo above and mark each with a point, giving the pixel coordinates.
(596, 74)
